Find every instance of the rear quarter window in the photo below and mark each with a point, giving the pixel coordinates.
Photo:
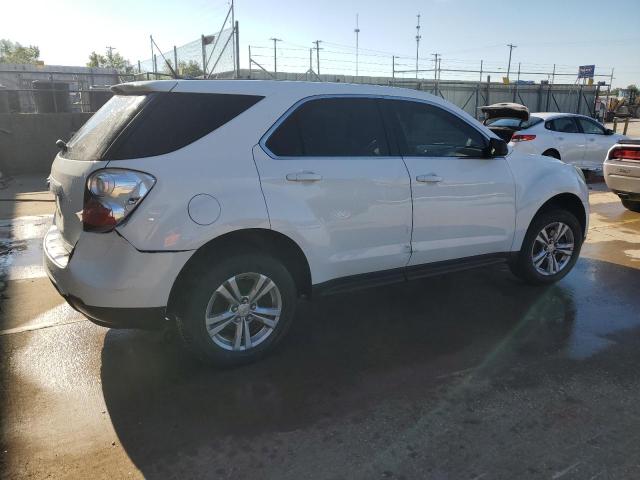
(95, 136)
(170, 121)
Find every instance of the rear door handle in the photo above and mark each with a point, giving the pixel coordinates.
(304, 177)
(430, 178)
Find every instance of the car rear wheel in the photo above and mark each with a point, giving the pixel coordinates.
(550, 248)
(237, 310)
(631, 205)
(551, 153)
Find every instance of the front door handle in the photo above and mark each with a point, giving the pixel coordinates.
(304, 177)
(430, 178)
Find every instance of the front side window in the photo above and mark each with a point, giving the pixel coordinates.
(428, 131)
(563, 125)
(332, 127)
(589, 126)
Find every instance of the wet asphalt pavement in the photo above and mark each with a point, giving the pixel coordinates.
(467, 376)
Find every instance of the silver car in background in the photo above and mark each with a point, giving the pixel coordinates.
(622, 172)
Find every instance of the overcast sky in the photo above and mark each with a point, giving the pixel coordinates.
(565, 32)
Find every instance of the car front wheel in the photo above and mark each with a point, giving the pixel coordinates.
(550, 248)
(237, 310)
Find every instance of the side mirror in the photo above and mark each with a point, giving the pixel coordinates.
(608, 131)
(497, 148)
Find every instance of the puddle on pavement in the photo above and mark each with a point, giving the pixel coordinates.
(593, 315)
(21, 247)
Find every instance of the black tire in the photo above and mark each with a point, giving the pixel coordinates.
(631, 205)
(522, 265)
(551, 153)
(200, 286)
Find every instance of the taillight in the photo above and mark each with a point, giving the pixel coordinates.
(625, 154)
(111, 195)
(522, 138)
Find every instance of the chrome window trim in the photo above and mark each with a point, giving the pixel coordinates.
(263, 140)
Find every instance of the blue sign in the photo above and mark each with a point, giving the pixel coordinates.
(586, 71)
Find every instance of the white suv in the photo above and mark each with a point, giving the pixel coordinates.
(216, 204)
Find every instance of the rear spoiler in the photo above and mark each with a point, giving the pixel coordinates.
(139, 88)
(629, 142)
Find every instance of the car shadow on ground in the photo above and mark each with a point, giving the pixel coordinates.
(344, 354)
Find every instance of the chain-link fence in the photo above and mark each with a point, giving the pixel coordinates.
(55, 89)
(209, 56)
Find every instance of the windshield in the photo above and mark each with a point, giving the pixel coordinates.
(513, 122)
(95, 136)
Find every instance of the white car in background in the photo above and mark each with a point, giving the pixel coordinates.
(574, 139)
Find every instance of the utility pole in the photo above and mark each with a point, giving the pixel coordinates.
(153, 55)
(511, 47)
(110, 50)
(175, 60)
(236, 63)
(418, 37)
(435, 65)
(275, 56)
(318, 42)
(357, 32)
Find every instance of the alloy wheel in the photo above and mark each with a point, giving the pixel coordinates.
(552, 249)
(244, 311)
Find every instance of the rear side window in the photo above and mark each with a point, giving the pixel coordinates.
(590, 127)
(428, 131)
(90, 142)
(332, 127)
(562, 124)
(170, 121)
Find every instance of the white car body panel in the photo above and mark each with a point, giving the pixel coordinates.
(538, 179)
(107, 271)
(358, 219)
(471, 211)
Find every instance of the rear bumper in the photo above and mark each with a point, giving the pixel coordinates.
(623, 178)
(141, 318)
(110, 282)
